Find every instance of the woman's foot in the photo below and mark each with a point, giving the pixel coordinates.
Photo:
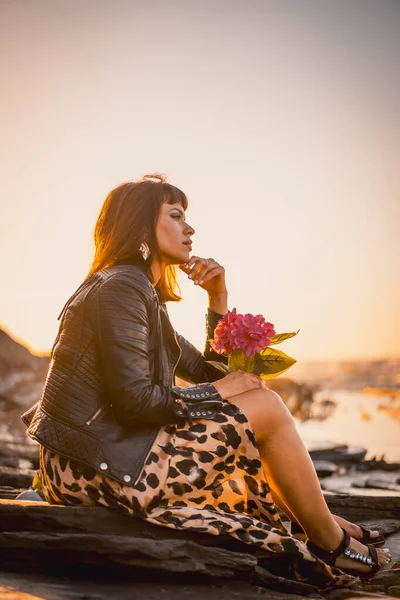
(368, 562)
(352, 529)
(355, 531)
(345, 563)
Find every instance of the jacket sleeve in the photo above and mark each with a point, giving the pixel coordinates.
(123, 306)
(193, 365)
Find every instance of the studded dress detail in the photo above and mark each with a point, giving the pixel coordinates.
(205, 476)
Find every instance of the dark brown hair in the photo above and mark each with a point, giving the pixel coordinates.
(128, 219)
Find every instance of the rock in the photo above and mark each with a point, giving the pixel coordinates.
(339, 454)
(380, 484)
(40, 536)
(354, 480)
(124, 555)
(352, 593)
(61, 588)
(20, 451)
(393, 541)
(388, 578)
(7, 594)
(22, 374)
(47, 535)
(281, 584)
(16, 463)
(298, 397)
(178, 556)
(376, 589)
(361, 508)
(316, 449)
(8, 492)
(21, 478)
(380, 513)
(378, 463)
(325, 468)
(387, 527)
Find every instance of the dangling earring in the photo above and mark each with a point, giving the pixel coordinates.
(144, 251)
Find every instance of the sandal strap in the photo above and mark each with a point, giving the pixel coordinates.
(329, 556)
(374, 555)
(368, 539)
(344, 547)
(366, 534)
(370, 559)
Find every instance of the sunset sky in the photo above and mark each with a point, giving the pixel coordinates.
(278, 118)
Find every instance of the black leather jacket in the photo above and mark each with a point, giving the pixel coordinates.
(110, 383)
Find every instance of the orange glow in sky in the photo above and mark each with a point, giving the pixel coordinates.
(278, 119)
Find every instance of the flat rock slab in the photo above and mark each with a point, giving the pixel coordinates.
(35, 535)
(14, 477)
(33, 516)
(362, 507)
(356, 483)
(13, 594)
(56, 588)
(178, 556)
(27, 451)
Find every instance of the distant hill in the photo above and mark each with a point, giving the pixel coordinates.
(350, 374)
(22, 374)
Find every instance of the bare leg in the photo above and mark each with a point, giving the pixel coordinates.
(290, 471)
(353, 529)
(281, 505)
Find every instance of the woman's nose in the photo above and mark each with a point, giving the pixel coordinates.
(189, 230)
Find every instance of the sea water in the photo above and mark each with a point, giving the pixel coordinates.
(359, 419)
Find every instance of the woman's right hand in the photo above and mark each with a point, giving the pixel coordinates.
(238, 382)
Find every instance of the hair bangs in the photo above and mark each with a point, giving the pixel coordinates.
(173, 195)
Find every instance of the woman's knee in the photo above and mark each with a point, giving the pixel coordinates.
(264, 408)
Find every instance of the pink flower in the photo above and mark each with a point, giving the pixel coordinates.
(248, 332)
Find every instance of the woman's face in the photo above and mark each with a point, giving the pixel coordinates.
(173, 235)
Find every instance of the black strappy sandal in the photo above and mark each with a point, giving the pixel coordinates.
(369, 540)
(366, 539)
(330, 556)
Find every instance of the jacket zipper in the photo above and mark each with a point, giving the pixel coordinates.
(177, 362)
(94, 417)
(151, 442)
(150, 445)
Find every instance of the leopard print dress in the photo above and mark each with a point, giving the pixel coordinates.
(206, 477)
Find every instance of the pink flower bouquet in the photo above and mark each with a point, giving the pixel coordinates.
(246, 340)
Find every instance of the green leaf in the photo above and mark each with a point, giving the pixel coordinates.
(267, 364)
(238, 361)
(281, 337)
(275, 362)
(259, 365)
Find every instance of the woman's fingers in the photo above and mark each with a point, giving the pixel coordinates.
(197, 268)
(192, 266)
(213, 272)
(238, 382)
(252, 380)
(256, 381)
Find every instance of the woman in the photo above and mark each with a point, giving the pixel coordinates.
(217, 456)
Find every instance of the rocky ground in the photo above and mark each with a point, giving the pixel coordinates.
(75, 552)
(54, 553)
